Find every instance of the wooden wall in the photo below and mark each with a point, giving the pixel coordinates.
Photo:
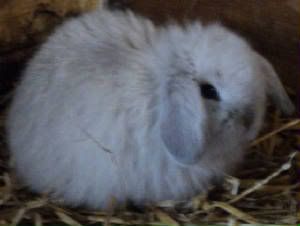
(24, 24)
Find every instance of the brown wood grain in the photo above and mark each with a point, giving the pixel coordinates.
(24, 24)
(27, 22)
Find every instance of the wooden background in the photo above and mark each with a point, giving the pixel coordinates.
(271, 26)
(24, 24)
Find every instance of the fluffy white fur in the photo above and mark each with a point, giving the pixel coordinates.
(111, 106)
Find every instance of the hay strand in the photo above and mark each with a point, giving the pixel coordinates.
(261, 183)
(274, 132)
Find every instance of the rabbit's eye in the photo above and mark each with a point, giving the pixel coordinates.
(209, 92)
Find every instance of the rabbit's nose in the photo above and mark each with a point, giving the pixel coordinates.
(247, 117)
(244, 116)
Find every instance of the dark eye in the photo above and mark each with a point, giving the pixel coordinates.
(209, 92)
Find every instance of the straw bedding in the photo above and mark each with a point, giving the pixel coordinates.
(263, 191)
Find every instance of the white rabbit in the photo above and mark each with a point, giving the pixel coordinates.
(113, 106)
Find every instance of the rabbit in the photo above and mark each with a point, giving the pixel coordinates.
(114, 107)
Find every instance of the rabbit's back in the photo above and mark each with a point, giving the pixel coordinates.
(83, 81)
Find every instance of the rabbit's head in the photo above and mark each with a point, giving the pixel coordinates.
(214, 88)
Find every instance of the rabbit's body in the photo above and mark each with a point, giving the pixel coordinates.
(109, 101)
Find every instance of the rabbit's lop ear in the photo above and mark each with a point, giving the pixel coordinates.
(275, 88)
(181, 128)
